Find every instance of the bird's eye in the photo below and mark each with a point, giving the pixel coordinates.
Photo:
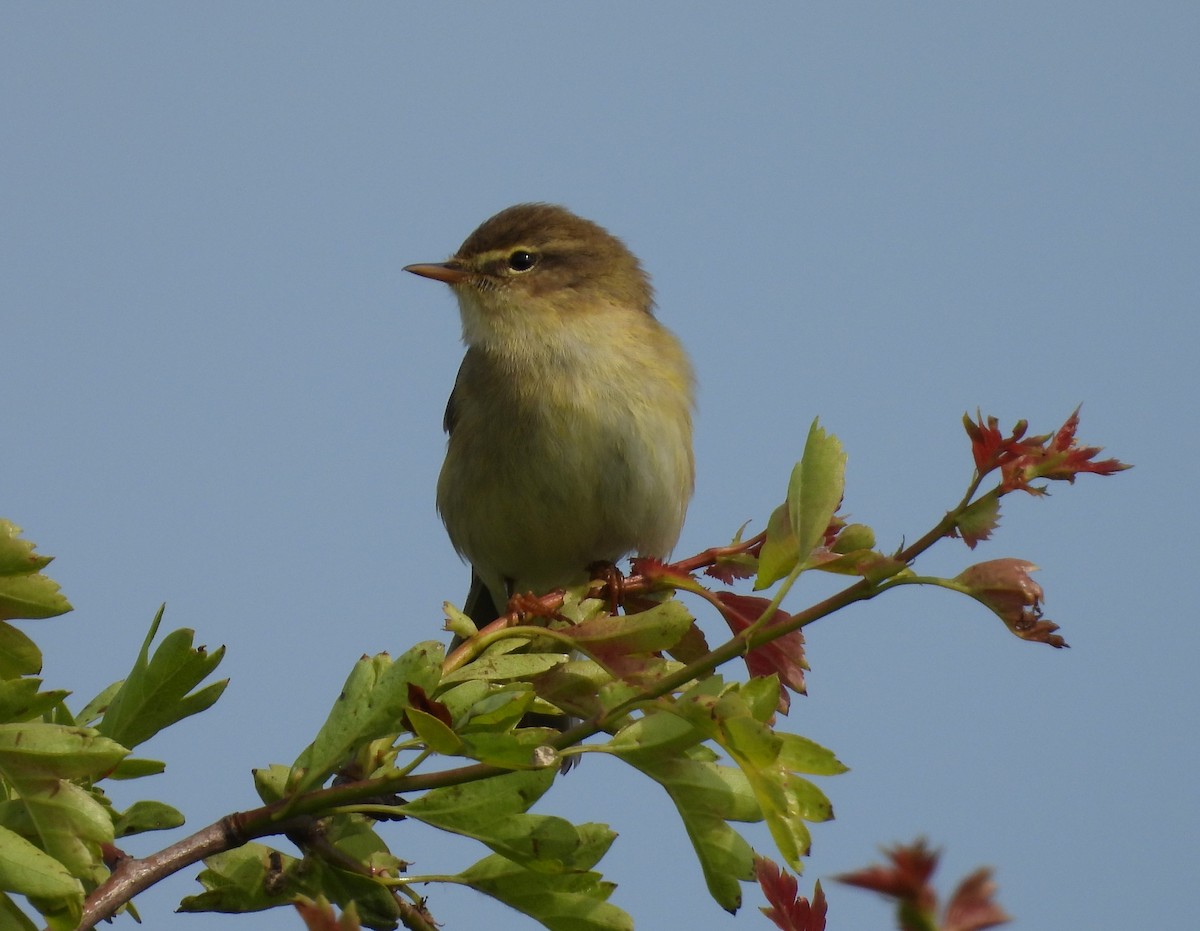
(522, 260)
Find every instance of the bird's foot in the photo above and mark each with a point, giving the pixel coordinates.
(525, 605)
(609, 579)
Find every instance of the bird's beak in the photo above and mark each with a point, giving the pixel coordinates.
(439, 271)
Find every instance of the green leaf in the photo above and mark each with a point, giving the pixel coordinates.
(506, 666)
(462, 697)
(761, 754)
(11, 917)
(436, 736)
(355, 836)
(780, 551)
(577, 684)
(38, 760)
(657, 735)
(29, 871)
(458, 623)
(371, 705)
(511, 749)
(560, 902)
(979, 519)
(237, 881)
(94, 710)
(24, 591)
(137, 768)
(787, 827)
(658, 628)
(146, 816)
(816, 488)
(19, 656)
(751, 741)
(494, 811)
(707, 796)
(155, 694)
(20, 700)
(35, 750)
(866, 564)
(761, 696)
(801, 755)
(271, 782)
(497, 709)
(814, 493)
(854, 537)
(255, 877)
(615, 693)
(806, 800)
(70, 824)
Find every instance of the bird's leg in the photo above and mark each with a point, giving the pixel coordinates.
(525, 605)
(613, 581)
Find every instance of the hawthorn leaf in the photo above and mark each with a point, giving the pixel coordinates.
(270, 782)
(512, 749)
(37, 750)
(506, 666)
(458, 623)
(70, 824)
(24, 591)
(658, 734)
(11, 917)
(816, 488)
(371, 705)
(462, 697)
(20, 700)
(19, 656)
(136, 768)
(146, 816)
(435, 734)
(801, 755)
(871, 565)
(497, 710)
(814, 493)
(707, 796)
(495, 812)
(158, 690)
(979, 519)
(28, 870)
(806, 800)
(560, 902)
(255, 877)
(94, 710)
(657, 628)
(756, 749)
(780, 552)
(852, 538)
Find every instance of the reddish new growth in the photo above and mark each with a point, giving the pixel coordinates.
(420, 700)
(789, 910)
(783, 656)
(320, 916)
(906, 879)
(1005, 586)
(1021, 460)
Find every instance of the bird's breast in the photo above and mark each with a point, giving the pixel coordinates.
(549, 469)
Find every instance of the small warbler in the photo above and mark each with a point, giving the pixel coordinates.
(570, 427)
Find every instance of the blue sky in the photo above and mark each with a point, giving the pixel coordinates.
(222, 392)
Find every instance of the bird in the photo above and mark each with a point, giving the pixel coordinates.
(569, 427)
